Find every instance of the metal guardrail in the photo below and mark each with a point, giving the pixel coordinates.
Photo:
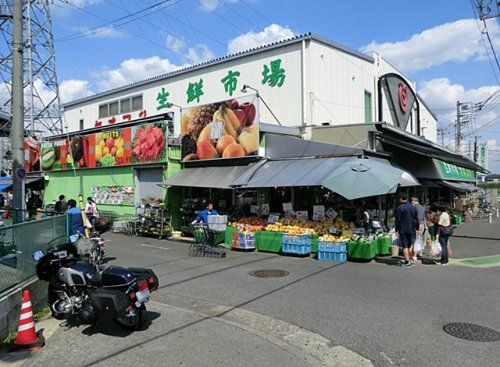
(19, 241)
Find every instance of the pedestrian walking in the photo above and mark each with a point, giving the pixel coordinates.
(91, 211)
(445, 230)
(61, 205)
(406, 227)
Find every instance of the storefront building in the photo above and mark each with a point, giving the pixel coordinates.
(220, 119)
(305, 81)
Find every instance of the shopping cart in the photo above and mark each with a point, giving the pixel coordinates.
(203, 245)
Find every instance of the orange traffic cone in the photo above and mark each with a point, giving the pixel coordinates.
(27, 337)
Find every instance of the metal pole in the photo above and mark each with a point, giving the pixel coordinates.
(458, 132)
(17, 130)
(30, 67)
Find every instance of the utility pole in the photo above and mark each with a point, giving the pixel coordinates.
(475, 148)
(458, 132)
(17, 130)
(440, 131)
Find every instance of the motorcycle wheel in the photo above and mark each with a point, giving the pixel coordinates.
(135, 322)
(53, 297)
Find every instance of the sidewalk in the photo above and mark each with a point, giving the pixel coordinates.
(476, 239)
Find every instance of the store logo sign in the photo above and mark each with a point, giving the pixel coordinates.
(403, 97)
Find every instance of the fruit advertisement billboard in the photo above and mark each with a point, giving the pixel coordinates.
(149, 144)
(112, 148)
(31, 155)
(140, 144)
(228, 129)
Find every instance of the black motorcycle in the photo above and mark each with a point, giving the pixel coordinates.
(76, 288)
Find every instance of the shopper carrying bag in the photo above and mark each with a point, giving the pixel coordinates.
(445, 231)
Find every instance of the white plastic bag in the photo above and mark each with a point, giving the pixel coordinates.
(427, 238)
(418, 245)
(435, 248)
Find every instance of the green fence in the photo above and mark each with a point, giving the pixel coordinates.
(19, 241)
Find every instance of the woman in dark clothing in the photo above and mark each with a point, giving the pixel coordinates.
(443, 235)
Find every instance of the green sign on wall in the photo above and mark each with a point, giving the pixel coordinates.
(450, 171)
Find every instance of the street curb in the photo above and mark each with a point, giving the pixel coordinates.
(48, 325)
(312, 348)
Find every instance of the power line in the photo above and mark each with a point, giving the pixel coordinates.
(484, 44)
(116, 22)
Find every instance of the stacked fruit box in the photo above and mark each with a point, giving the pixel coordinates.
(332, 251)
(296, 244)
(243, 240)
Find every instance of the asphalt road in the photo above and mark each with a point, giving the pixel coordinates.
(387, 314)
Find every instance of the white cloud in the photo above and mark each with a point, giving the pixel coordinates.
(132, 70)
(175, 44)
(457, 41)
(83, 3)
(442, 95)
(271, 33)
(72, 89)
(198, 54)
(209, 5)
(101, 32)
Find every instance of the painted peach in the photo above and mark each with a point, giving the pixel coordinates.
(233, 150)
(223, 142)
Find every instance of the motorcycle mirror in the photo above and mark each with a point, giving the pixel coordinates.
(37, 255)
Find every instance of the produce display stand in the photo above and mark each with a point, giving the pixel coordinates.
(362, 250)
(228, 235)
(268, 241)
(384, 245)
(154, 221)
(244, 241)
(296, 244)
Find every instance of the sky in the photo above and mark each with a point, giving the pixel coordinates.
(437, 44)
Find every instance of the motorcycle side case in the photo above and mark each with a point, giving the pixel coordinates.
(147, 275)
(117, 277)
(109, 303)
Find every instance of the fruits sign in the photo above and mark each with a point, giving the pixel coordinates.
(150, 143)
(56, 155)
(113, 148)
(228, 129)
(107, 149)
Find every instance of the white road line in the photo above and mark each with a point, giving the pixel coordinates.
(158, 247)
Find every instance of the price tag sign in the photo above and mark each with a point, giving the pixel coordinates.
(318, 212)
(273, 218)
(360, 231)
(330, 213)
(265, 209)
(254, 209)
(302, 215)
(332, 230)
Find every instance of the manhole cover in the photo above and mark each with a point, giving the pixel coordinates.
(471, 332)
(269, 273)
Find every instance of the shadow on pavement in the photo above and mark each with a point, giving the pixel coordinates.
(205, 318)
(113, 329)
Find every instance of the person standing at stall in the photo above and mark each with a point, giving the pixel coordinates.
(203, 215)
(406, 227)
